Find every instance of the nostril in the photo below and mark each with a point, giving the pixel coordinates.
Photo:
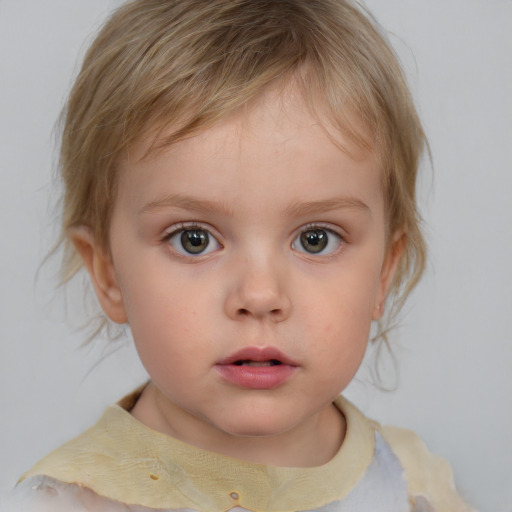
(243, 312)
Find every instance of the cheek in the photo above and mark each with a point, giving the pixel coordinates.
(344, 300)
(168, 314)
(341, 338)
(159, 317)
(338, 317)
(166, 335)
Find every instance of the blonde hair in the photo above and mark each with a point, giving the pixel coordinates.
(158, 65)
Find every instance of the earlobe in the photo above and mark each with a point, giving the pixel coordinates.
(101, 271)
(389, 267)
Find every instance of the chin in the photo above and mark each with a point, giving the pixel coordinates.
(256, 427)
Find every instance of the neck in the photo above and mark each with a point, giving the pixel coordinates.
(319, 437)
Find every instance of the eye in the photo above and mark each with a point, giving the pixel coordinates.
(192, 241)
(317, 240)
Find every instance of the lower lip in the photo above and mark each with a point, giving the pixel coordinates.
(256, 377)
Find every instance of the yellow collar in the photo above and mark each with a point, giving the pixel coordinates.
(122, 459)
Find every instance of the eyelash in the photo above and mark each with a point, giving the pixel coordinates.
(183, 228)
(317, 239)
(339, 240)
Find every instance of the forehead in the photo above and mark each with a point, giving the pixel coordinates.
(286, 108)
(274, 155)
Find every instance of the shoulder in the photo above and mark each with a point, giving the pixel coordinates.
(429, 477)
(45, 494)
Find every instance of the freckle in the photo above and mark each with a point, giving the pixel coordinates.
(154, 477)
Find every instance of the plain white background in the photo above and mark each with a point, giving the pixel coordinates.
(454, 346)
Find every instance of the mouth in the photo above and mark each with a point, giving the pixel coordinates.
(248, 362)
(257, 368)
(258, 356)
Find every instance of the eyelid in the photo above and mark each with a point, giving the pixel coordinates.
(329, 228)
(186, 225)
(180, 227)
(332, 228)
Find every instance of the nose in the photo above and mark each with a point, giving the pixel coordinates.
(258, 291)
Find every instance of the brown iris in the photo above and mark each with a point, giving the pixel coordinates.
(195, 241)
(314, 240)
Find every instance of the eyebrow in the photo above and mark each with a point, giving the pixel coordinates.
(326, 205)
(299, 208)
(187, 203)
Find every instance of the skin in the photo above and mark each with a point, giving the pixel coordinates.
(253, 183)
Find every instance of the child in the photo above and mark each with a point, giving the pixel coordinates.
(240, 185)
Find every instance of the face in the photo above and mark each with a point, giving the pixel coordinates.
(249, 262)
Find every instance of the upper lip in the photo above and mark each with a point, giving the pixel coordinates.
(258, 354)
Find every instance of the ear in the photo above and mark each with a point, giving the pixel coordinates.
(394, 255)
(101, 271)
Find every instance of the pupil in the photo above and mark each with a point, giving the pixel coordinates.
(195, 241)
(314, 241)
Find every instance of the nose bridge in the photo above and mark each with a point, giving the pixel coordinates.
(259, 287)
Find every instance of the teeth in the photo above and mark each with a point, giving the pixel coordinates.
(272, 362)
